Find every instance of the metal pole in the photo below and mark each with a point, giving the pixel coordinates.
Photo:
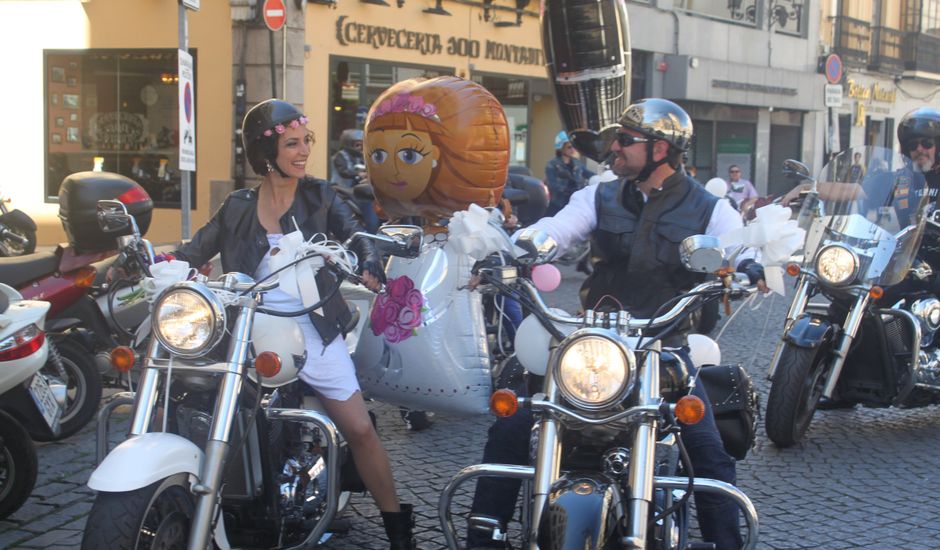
(284, 58)
(185, 175)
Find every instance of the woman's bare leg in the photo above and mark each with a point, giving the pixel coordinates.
(352, 419)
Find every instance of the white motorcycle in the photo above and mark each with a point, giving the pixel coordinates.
(28, 406)
(224, 447)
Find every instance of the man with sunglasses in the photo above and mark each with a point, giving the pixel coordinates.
(636, 222)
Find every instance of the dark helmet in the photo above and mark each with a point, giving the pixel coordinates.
(919, 123)
(265, 116)
(660, 119)
(349, 137)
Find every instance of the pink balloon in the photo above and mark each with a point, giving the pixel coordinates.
(546, 277)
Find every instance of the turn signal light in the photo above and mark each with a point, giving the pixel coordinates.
(503, 403)
(85, 277)
(268, 364)
(690, 410)
(123, 358)
(876, 292)
(793, 269)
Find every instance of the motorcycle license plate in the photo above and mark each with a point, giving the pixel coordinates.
(45, 401)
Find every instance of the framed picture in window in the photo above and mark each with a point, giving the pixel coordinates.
(58, 74)
(56, 137)
(73, 117)
(70, 101)
(71, 134)
(73, 65)
(60, 121)
(54, 99)
(73, 82)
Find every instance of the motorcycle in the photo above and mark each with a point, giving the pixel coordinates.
(603, 387)
(869, 344)
(238, 455)
(28, 406)
(17, 231)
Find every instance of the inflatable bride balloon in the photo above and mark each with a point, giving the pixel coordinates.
(436, 149)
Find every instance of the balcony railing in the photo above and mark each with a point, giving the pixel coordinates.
(886, 50)
(852, 40)
(921, 52)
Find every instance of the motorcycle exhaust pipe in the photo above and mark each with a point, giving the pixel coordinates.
(587, 53)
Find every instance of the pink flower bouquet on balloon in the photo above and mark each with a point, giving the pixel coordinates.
(396, 313)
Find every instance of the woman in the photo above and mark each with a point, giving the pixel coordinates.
(564, 174)
(246, 231)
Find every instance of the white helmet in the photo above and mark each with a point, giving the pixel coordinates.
(283, 336)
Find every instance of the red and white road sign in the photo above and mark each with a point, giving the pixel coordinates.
(275, 14)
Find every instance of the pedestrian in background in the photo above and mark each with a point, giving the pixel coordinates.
(349, 170)
(740, 190)
(564, 174)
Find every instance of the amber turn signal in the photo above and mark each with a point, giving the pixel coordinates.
(503, 403)
(123, 358)
(85, 277)
(690, 410)
(793, 269)
(268, 364)
(876, 292)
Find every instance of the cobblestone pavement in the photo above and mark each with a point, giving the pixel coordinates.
(863, 478)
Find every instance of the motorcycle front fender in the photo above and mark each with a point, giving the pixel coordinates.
(582, 511)
(809, 331)
(144, 459)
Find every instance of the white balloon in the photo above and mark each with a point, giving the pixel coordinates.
(717, 187)
(703, 350)
(532, 343)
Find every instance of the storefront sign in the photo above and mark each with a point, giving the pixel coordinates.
(749, 87)
(425, 43)
(872, 93)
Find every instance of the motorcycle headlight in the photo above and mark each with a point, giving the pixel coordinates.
(836, 265)
(188, 319)
(594, 369)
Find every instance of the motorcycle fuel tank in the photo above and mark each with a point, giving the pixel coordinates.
(587, 53)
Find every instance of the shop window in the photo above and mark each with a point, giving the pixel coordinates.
(742, 11)
(786, 16)
(114, 111)
(702, 151)
(355, 84)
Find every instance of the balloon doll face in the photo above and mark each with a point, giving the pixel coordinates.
(401, 162)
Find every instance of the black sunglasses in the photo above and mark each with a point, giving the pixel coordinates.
(626, 140)
(926, 143)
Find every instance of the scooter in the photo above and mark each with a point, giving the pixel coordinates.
(28, 406)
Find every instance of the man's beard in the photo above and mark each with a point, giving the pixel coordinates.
(619, 167)
(924, 161)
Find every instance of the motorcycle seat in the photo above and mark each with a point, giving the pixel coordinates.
(17, 270)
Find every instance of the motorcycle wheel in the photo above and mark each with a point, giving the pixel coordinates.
(18, 465)
(795, 390)
(11, 248)
(83, 383)
(156, 516)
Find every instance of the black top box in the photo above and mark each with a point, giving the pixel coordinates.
(78, 207)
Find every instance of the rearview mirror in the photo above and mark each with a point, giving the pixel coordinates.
(701, 253)
(398, 240)
(796, 170)
(113, 217)
(538, 247)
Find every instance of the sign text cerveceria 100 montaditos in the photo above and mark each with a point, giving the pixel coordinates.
(350, 32)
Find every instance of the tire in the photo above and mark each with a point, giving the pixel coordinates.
(795, 390)
(16, 249)
(18, 465)
(156, 516)
(83, 382)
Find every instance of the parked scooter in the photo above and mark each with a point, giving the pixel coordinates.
(28, 406)
(875, 342)
(17, 230)
(76, 326)
(607, 442)
(238, 454)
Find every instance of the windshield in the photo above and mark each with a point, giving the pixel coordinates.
(873, 202)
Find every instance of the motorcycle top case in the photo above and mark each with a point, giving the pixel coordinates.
(78, 207)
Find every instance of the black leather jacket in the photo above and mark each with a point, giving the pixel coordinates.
(237, 235)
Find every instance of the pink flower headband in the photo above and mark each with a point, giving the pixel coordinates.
(406, 103)
(280, 128)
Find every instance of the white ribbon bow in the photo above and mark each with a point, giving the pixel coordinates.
(775, 235)
(471, 233)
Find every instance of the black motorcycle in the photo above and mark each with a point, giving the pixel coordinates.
(872, 339)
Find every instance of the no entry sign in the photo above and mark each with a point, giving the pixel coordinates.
(275, 14)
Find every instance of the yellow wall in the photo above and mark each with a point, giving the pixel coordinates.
(29, 27)
(465, 22)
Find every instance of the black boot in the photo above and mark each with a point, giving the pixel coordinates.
(399, 526)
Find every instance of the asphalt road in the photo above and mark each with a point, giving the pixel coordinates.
(863, 478)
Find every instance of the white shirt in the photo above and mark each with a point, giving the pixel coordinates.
(578, 219)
